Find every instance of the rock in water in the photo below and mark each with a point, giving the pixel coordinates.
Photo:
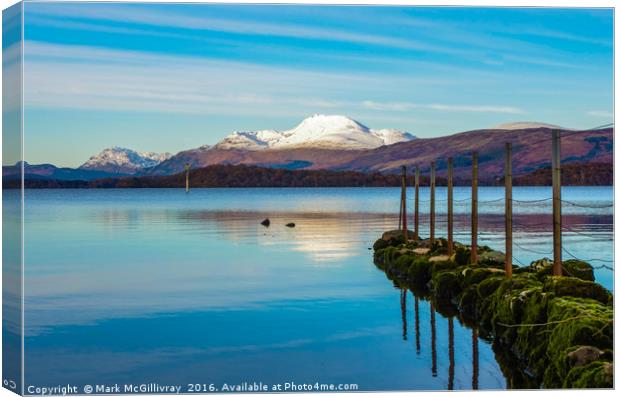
(266, 222)
(291, 224)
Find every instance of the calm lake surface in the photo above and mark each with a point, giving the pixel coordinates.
(156, 285)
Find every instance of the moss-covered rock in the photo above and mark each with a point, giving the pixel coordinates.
(419, 272)
(492, 258)
(462, 255)
(380, 244)
(571, 286)
(446, 285)
(579, 269)
(599, 374)
(574, 322)
(396, 237)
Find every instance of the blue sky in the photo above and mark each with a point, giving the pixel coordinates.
(156, 77)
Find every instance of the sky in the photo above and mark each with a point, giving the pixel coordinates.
(170, 77)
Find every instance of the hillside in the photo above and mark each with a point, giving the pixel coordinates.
(531, 151)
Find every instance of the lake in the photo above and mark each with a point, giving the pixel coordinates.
(156, 285)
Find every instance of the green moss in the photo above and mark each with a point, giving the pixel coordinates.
(439, 247)
(446, 285)
(403, 262)
(579, 269)
(476, 275)
(380, 244)
(491, 258)
(571, 286)
(599, 374)
(574, 322)
(462, 254)
(468, 301)
(419, 272)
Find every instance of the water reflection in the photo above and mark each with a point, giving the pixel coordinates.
(474, 364)
(104, 268)
(451, 353)
(433, 342)
(417, 324)
(403, 308)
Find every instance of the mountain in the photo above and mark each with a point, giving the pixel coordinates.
(531, 147)
(522, 125)
(51, 172)
(318, 142)
(119, 160)
(531, 151)
(318, 132)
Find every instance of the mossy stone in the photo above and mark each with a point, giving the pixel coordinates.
(420, 271)
(492, 258)
(446, 285)
(462, 255)
(571, 286)
(380, 244)
(596, 375)
(579, 269)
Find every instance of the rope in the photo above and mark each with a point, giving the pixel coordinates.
(587, 260)
(587, 206)
(531, 250)
(586, 235)
(532, 201)
(550, 322)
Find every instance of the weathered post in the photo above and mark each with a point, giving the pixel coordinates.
(450, 209)
(404, 203)
(557, 204)
(432, 215)
(416, 219)
(474, 207)
(508, 212)
(187, 178)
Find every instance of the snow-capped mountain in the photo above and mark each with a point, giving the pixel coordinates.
(522, 125)
(124, 161)
(318, 131)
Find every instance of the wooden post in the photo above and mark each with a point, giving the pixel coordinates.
(508, 212)
(404, 201)
(416, 219)
(432, 217)
(186, 178)
(450, 209)
(474, 207)
(557, 204)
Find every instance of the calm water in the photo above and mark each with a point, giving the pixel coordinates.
(138, 286)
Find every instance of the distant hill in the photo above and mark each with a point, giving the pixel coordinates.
(531, 151)
(49, 171)
(227, 176)
(253, 176)
(573, 174)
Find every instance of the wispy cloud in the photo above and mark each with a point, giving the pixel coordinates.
(406, 106)
(600, 113)
(98, 78)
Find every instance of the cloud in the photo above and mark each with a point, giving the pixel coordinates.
(406, 106)
(157, 18)
(600, 113)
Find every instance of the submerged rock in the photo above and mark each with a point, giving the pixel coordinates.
(290, 224)
(266, 222)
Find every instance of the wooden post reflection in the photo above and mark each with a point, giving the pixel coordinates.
(474, 342)
(417, 324)
(451, 353)
(433, 343)
(403, 311)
